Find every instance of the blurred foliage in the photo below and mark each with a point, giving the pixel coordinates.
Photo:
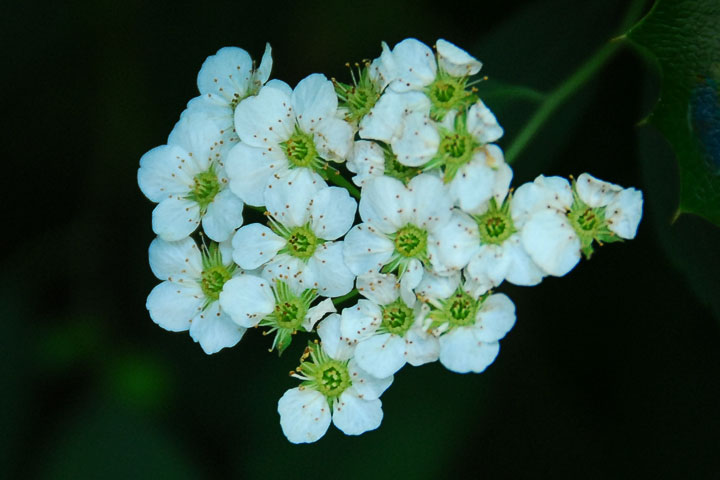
(682, 36)
(607, 374)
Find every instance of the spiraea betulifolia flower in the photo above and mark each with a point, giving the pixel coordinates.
(426, 229)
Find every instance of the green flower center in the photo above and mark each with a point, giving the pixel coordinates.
(496, 225)
(332, 378)
(448, 93)
(360, 97)
(300, 150)
(411, 241)
(589, 224)
(302, 242)
(213, 280)
(290, 313)
(205, 187)
(460, 310)
(397, 318)
(395, 169)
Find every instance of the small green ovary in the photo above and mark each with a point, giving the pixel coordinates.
(360, 97)
(395, 169)
(302, 242)
(460, 310)
(448, 93)
(332, 378)
(496, 225)
(205, 187)
(397, 318)
(290, 313)
(300, 150)
(411, 242)
(213, 279)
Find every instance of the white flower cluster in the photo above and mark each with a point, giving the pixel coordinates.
(439, 226)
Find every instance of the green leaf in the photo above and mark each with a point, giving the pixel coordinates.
(682, 36)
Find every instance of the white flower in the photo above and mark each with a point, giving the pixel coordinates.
(412, 66)
(187, 179)
(386, 330)
(225, 79)
(251, 300)
(332, 389)
(458, 147)
(399, 225)
(563, 221)
(469, 328)
(187, 299)
(299, 248)
(280, 129)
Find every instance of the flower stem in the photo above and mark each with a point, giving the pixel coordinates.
(334, 176)
(572, 84)
(338, 300)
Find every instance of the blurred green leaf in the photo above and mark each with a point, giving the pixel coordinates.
(682, 36)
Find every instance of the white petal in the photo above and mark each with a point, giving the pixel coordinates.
(216, 110)
(326, 271)
(380, 288)
(172, 305)
(175, 218)
(381, 355)
(215, 330)
(522, 270)
(431, 204)
(462, 353)
(385, 120)
(249, 170)
(420, 346)
(159, 176)
(200, 138)
(316, 313)
(304, 415)
(173, 259)
(263, 71)
(266, 119)
(385, 204)
(367, 386)
(419, 141)
(223, 216)
(333, 139)
(545, 193)
(410, 280)
(360, 321)
(456, 61)
(414, 67)
(255, 245)
(332, 213)
(482, 124)
(473, 184)
(365, 250)
(495, 318)
(456, 243)
(489, 267)
(288, 195)
(366, 160)
(596, 193)
(289, 269)
(247, 299)
(624, 212)
(314, 99)
(353, 415)
(226, 73)
(333, 343)
(438, 286)
(551, 242)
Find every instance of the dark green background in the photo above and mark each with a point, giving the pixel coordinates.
(610, 372)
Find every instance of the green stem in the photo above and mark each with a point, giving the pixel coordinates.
(334, 176)
(571, 85)
(518, 92)
(338, 300)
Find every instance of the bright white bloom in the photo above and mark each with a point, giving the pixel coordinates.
(187, 299)
(187, 179)
(564, 221)
(469, 328)
(333, 388)
(282, 129)
(369, 159)
(251, 300)
(225, 79)
(412, 66)
(399, 227)
(299, 248)
(487, 242)
(387, 332)
(459, 147)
